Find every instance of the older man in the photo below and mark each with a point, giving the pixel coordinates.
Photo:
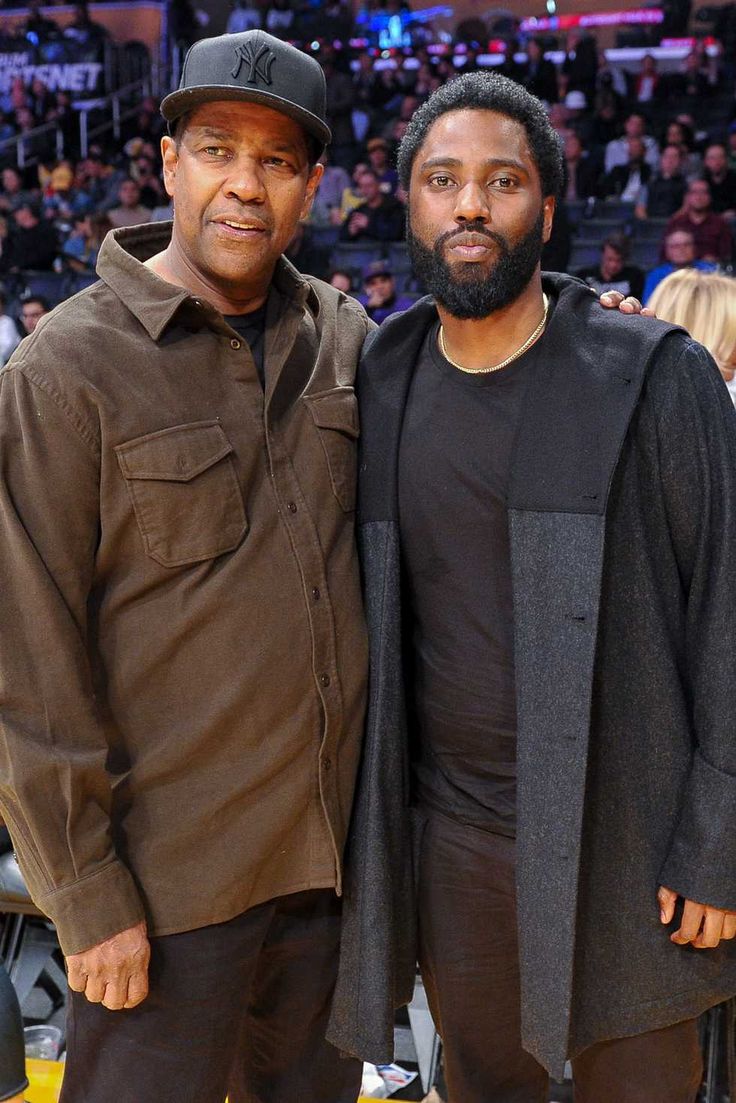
(183, 656)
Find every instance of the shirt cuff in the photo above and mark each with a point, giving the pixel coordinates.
(93, 909)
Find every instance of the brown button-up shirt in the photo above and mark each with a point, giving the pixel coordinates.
(182, 651)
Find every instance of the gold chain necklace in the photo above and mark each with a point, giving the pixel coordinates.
(514, 355)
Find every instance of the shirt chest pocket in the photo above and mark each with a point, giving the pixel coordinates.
(185, 493)
(335, 413)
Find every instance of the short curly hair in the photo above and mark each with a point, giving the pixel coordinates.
(488, 92)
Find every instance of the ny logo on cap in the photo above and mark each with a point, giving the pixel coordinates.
(259, 60)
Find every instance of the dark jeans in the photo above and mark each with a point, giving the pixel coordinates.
(12, 1058)
(470, 965)
(239, 1008)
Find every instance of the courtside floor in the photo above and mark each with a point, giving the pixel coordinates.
(45, 1077)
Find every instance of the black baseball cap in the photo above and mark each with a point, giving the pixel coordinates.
(255, 67)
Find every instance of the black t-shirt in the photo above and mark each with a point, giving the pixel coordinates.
(252, 328)
(454, 463)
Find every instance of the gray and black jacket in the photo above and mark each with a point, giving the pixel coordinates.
(622, 510)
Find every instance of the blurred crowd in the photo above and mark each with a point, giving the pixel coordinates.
(650, 165)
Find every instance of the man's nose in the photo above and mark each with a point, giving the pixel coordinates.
(472, 204)
(245, 181)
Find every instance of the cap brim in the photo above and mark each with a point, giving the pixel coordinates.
(180, 102)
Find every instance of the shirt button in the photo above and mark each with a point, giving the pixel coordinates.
(234, 343)
(316, 594)
(326, 765)
(325, 680)
(291, 507)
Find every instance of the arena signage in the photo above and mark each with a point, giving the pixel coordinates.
(66, 73)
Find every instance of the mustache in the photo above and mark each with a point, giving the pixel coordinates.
(472, 228)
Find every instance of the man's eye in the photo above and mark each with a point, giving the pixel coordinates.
(441, 181)
(505, 182)
(215, 151)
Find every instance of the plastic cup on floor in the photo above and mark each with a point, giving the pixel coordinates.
(42, 1042)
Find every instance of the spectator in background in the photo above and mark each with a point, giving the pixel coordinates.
(340, 102)
(582, 171)
(578, 118)
(626, 181)
(605, 121)
(130, 211)
(617, 151)
(82, 30)
(341, 279)
(9, 337)
(732, 146)
(711, 233)
(380, 298)
(31, 244)
(279, 18)
(679, 252)
(378, 159)
(307, 256)
(680, 134)
(61, 200)
(705, 305)
(82, 246)
(148, 180)
(721, 180)
(66, 118)
(12, 189)
(664, 193)
(33, 309)
(7, 130)
(41, 101)
(327, 202)
(378, 218)
(427, 81)
(540, 75)
(694, 80)
(612, 273)
(37, 28)
(580, 66)
(647, 81)
(352, 197)
(245, 16)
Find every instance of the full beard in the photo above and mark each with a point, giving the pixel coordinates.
(467, 289)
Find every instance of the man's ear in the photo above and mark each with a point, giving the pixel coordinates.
(548, 210)
(315, 176)
(170, 158)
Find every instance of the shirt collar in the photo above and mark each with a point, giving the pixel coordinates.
(153, 301)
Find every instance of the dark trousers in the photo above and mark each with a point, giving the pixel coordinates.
(470, 964)
(239, 1008)
(12, 1058)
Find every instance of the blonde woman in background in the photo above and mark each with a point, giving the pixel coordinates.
(704, 303)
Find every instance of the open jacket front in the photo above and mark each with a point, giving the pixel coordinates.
(622, 511)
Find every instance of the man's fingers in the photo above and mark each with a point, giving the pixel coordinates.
(137, 989)
(647, 312)
(710, 935)
(667, 900)
(692, 918)
(77, 978)
(630, 305)
(95, 989)
(729, 925)
(116, 994)
(611, 299)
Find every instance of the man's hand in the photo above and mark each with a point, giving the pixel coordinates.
(614, 300)
(702, 926)
(358, 222)
(115, 973)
